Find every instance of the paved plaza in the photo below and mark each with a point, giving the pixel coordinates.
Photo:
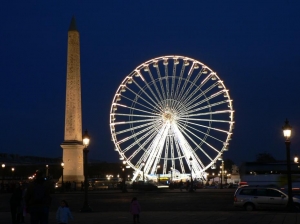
(213, 206)
(194, 217)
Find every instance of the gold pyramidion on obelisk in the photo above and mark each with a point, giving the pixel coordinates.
(72, 145)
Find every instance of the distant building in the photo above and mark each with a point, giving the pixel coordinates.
(268, 173)
(16, 159)
(235, 175)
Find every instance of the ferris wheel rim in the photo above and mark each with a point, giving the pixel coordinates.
(146, 64)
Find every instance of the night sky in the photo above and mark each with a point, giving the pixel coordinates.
(252, 45)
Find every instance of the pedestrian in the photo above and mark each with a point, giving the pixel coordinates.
(82, 186)
(2, 187)
(23, 203)
(15, 204)
(180, 185)
(73, 186)
(38, 199)
(187, 185)
(135, 210)
(63, 213)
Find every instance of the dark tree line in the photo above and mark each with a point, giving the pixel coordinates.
(265, 158)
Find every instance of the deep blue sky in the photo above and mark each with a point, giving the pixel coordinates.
(252, 45)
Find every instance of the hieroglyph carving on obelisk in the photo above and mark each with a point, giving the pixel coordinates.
(72, 145)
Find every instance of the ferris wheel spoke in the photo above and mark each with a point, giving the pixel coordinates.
(156, 146)
(179, 155)
(205, 100)
(160, 82)
(204, 126)
(142, 146)
(152, 149)
(135, 102)
(135, 115)
(139, 140)
(132, 122)
(155, 86)
(200, 132)
(151, 133)
(156, 161)
(136, 134)
(196, 90)
(182, 128)
(209, 113)
(156, 155)
(192, 140)
(203, 93)
(166, 156)
(157, 102)
(185, 147)
(159, 154)
(198, 164)
(179, 81)
(178, 107)
(205, 107)
(210, 120)
(186, 81)
(136, 127)
(136, 109)
(166, 77)
(172, 152)
(156, 106)
(173, 82)
(191, 86)
(173, 79)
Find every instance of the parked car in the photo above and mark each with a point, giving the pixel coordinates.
(257, 197)
(295, 188)
(232, 186)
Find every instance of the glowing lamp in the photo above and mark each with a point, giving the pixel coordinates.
(86, 139)
(287, 130)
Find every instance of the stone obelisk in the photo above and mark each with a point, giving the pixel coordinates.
(72, 145)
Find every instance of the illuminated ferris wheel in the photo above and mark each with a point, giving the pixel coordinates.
(171, 111)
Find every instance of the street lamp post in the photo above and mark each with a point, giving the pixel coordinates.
(2, 183)
(124, 190)
(62, 177)
(191, 165)
(157, 167)
(143, 164)
(13, 172)
(86, 142)
(222, 174)
(287, 131)
(228, 177)
(47, 171)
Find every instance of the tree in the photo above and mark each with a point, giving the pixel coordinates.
(228, 164)
(265, 158)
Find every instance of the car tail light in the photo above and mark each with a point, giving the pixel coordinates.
(234, 199)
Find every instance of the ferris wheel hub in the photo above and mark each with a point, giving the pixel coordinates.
(168, 116)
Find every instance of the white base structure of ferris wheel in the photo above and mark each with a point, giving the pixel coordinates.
(171, 113)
